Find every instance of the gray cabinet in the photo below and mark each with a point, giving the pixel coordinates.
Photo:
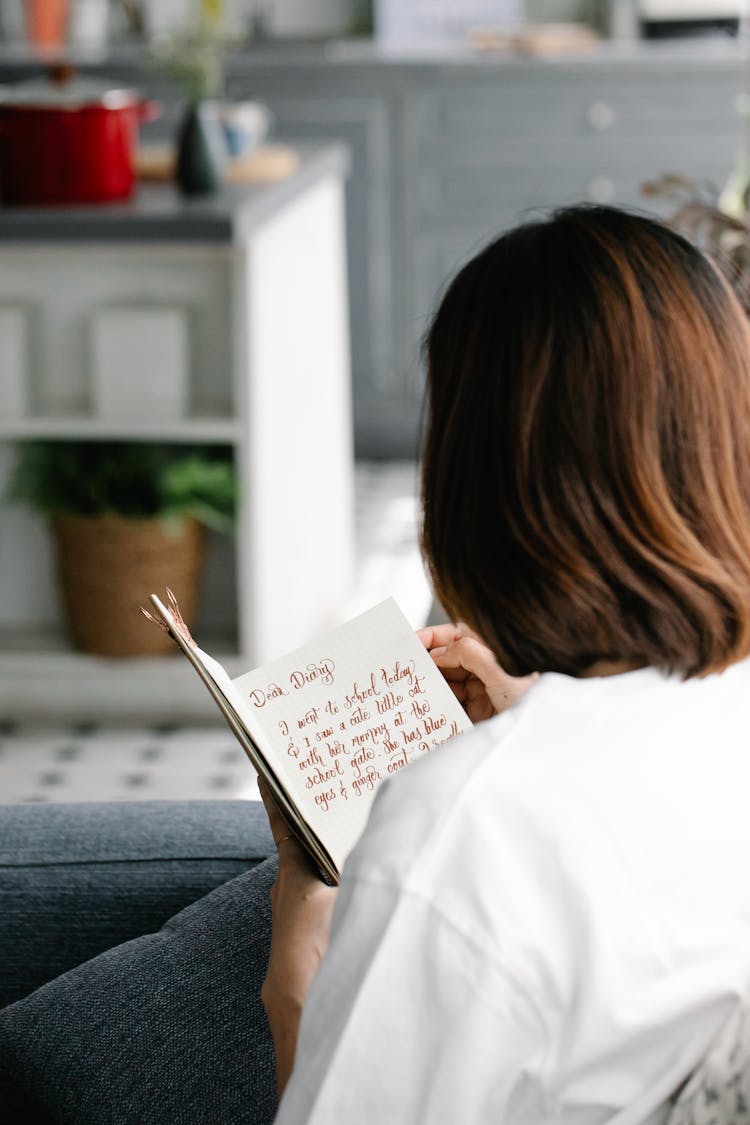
(449, 150)
(491, 152)
(448, 153)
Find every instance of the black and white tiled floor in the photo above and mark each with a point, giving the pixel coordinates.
(92, 763)
(105, 764)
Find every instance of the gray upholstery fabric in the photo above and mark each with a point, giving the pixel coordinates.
(718, 1091)
(77, 879)
(167, 1029)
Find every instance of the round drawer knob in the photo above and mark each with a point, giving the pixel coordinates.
(600, 116)
(601, 189)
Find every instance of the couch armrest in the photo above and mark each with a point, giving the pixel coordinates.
(80, 878)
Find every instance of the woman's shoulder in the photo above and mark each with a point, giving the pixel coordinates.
(442, 794)
(434, 826)
(547, 794)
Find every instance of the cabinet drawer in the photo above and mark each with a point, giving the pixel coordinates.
(504, 176)
(468, 181)
(509, 104)
(547, 137)
(581, 103)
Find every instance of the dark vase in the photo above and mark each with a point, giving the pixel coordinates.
(201, 151)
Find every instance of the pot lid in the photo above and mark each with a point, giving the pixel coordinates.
(64, 90)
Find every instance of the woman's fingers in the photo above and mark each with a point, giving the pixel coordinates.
(454, 673)
(470, 657)
(286, 842)
(279, 826)
(459, 689)
(479, 683)
(437, 636)
(467, 655)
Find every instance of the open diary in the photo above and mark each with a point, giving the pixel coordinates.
(326, 724)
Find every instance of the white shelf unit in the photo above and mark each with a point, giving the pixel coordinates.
(269, 378)
(187, 431)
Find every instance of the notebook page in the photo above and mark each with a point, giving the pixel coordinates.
(347, 711)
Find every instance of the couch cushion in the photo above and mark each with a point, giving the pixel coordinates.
(718, 1091)
(167, 1028)
(78, 879)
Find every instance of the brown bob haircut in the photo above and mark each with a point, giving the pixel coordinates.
(586, 465)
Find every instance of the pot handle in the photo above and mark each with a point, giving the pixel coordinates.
(149, 110)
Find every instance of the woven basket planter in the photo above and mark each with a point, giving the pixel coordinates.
(108, 565)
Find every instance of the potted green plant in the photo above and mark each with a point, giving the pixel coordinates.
(716, 221)
(127, 519)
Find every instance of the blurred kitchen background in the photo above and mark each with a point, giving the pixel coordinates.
(223, 226)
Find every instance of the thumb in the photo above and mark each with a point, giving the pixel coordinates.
(476, 659)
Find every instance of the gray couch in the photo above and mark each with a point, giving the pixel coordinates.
(133, 942)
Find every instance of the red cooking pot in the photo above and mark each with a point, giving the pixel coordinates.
(68, 141)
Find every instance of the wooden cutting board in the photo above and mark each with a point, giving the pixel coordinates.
(155, 163)
(544, 39)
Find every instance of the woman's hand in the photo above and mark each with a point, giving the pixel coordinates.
(301, 909)
(478, 682)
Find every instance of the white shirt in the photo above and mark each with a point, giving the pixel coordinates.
(546, 920)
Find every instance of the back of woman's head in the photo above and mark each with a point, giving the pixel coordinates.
(586, 473)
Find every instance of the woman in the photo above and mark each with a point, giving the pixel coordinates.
(548, 919)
